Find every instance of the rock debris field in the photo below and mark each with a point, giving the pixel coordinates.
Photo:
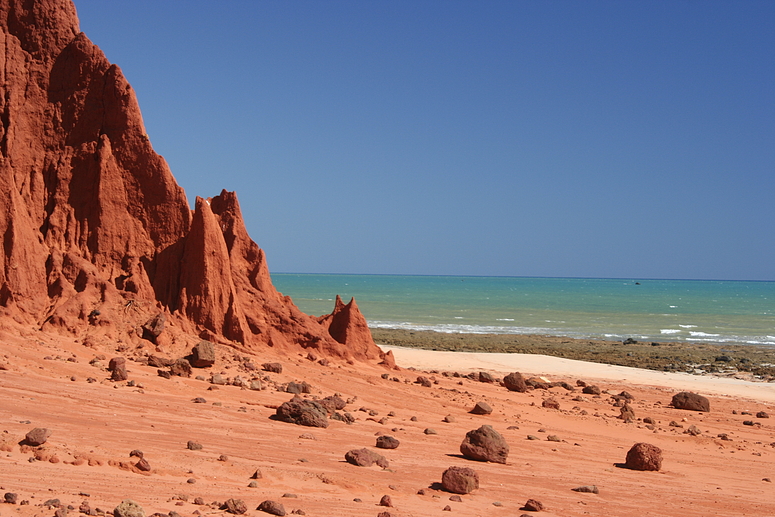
(244, 436)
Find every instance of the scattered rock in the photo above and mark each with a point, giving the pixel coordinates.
(515, 382)
(485, 444)
(297, 387)
(333, 403)
(153, 328)
(143, 465)
(257, 474)
(128, 508)
(533, 506)
(117, 367)
(551, 403)
(430, 431)
(365, 458)
(553, 438)
(486, 377)
(273, 368)
(386, 501)
(449, 419)
(37, 436)
(762, 414)
(272, 507)
(591, 489)
(460, 480)
(626, 413)
(11, 497)
(591, 390)
(387, 442)
(644, 456)
(423, 381)
(481, 408)
(203, 354)
(691, 401)
(235, 506)
(194, 446)
(303, 412)
(199, 400)
(181, 368)
(693, 430)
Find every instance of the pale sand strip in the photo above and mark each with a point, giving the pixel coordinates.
(570, 369)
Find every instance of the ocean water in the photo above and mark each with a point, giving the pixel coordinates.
(704, 311)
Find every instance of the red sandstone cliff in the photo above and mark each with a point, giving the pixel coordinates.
(97, 234)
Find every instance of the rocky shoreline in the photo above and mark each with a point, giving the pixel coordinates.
(749, 362)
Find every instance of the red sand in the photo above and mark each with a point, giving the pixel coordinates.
(102, 422)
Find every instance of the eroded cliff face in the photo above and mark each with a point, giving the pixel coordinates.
(97, 234)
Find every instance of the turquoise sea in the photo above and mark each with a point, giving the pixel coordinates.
(707, 311)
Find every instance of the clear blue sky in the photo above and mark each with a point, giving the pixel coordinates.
(541, 138)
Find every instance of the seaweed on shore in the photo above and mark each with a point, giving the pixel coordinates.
(741, 360)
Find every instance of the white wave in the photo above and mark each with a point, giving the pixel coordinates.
(688, 326)
(669, 331)
(703, 334)
(504, 319)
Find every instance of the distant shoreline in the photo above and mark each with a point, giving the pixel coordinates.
(743, 361)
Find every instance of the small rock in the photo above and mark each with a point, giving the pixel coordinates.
(203, 355)
(272, 507)
(199, 400)
(690, 401)
(386, 501)
(551, 403)
(460, 480)
(365, 458)
(257, 475)
(236, 506)
(117, 367)
(143, 465)
(515, 382)
(11, 497)
(194, 446)
(486, 377)
(136, 453)
(644, 456)
(481, 408)
(591, 390)
(387, 442)
(485, 444)
(762, 414)
(128, 508)
(37, 436)
(693, 430)
(591, 489)
(533, 506)
(273, 368)
(456, 499)
(430, 431)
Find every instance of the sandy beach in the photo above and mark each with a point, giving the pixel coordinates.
(536, 364)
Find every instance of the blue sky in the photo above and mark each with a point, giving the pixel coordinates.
(593, 139)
